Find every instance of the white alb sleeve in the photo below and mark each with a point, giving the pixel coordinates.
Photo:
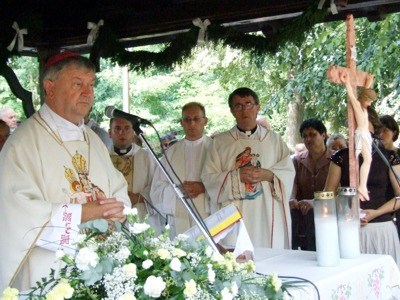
(61, 231)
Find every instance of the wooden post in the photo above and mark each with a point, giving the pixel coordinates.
(351, 65)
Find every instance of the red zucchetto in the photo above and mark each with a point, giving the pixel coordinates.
(59, 57)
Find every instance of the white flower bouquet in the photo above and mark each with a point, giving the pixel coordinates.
(129, 262)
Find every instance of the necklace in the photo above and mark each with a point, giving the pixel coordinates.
(56, 136)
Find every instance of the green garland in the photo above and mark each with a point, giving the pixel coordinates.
(106, 44)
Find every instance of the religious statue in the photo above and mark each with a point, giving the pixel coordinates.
(363, 139)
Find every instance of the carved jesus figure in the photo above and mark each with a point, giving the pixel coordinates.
(363, 139)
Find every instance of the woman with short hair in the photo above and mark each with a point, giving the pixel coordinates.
(311, 168)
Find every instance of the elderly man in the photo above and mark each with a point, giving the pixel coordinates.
(250, 166)
(55, 174)
(187, 158)
(9, 116)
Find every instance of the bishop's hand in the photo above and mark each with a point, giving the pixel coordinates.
(103, 208)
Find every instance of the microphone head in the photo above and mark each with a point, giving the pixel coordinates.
(109, 110)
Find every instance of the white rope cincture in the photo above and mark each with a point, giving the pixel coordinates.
(94, 31)
(202, 37)
(18, 35)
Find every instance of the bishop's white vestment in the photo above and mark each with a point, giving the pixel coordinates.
(264, 206)
(187, 158)
(138, 166)
(49, 167)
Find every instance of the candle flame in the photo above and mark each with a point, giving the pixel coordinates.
(325, 211)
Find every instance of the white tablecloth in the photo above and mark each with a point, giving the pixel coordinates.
(367, 277)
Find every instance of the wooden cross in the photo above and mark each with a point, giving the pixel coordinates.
(357, 78)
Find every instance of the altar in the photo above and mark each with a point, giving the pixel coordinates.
(369, 276)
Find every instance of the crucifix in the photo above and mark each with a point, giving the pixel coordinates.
(352, 77)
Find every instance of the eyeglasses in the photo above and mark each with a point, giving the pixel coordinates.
(119, 130)
(248, 105)
(195, 119)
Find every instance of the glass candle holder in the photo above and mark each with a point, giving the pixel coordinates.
(326, 229)
(348, 216)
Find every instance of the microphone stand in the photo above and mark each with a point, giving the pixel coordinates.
(203, 228)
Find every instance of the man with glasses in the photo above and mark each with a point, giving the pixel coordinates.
(187, 158)
(250, 166)
(137, 166)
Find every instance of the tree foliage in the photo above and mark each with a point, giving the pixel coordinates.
(303, 69)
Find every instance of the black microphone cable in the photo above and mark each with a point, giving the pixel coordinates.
(154, 208)
(303, 279)
(298, 278)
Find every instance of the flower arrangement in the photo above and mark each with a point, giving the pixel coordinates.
(128, 262)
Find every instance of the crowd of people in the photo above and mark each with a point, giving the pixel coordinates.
(71, 171)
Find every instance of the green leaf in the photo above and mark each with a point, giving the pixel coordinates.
(107, 265)
(118, 226)
(100, 224)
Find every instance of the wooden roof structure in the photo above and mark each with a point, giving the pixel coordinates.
(59, 24)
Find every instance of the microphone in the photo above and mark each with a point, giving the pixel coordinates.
(112, 112)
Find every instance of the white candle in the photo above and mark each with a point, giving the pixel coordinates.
(327, 241)
(349, 238)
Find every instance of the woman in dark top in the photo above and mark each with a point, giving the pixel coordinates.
(311, 171)
(389, 135)
(378, 233)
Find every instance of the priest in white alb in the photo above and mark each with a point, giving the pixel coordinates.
(250, 166)
(55, 173)
(187, 158)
